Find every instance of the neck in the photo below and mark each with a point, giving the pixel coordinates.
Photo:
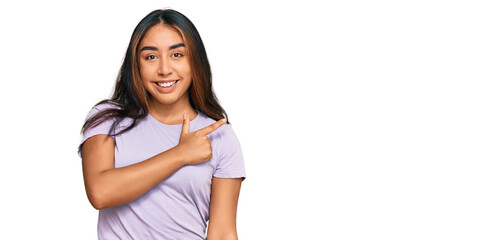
(173, 113)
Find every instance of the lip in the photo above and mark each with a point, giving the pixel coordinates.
(168, 89)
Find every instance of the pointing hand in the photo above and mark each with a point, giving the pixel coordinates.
(196, 146)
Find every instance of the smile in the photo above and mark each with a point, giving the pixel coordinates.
(166, 84)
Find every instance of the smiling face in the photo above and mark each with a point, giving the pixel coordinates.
(164, 66)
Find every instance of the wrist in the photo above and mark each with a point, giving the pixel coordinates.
(177, 156)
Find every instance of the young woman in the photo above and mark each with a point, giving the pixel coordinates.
(159, 159)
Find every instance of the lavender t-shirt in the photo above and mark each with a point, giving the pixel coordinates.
(177, 207)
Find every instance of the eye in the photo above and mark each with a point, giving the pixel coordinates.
(150, 57)
(177, 55)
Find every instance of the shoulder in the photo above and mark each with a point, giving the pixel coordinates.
(204, 121)
(100, 117)
(224, 136)
(103, 106)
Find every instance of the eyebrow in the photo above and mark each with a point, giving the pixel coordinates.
(155, 48)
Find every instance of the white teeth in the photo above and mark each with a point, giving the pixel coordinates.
(166, 84)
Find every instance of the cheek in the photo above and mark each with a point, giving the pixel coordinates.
(182, 70)
(146, 72)
(186, 70)
(142, 69)
(187, 74)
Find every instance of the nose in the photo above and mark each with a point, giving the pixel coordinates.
(164, 68)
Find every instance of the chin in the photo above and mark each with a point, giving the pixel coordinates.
(167, 100)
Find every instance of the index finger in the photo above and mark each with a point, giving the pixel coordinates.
(210, 128)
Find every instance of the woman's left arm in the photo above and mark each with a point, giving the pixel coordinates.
(223, 208)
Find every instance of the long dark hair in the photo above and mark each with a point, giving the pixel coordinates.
(130, 96)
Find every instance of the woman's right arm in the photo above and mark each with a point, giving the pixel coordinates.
(107, 186)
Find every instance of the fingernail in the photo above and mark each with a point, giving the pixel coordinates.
(224, 120)
(184, 117)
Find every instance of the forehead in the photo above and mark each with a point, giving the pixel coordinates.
(161, 35)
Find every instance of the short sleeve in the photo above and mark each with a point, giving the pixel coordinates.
(230, 162)
(102, 128)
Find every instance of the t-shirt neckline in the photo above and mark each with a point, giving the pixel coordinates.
(174, 125)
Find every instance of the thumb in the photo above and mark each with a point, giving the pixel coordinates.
(186, 124)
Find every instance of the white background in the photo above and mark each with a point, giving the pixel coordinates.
(357, 119)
